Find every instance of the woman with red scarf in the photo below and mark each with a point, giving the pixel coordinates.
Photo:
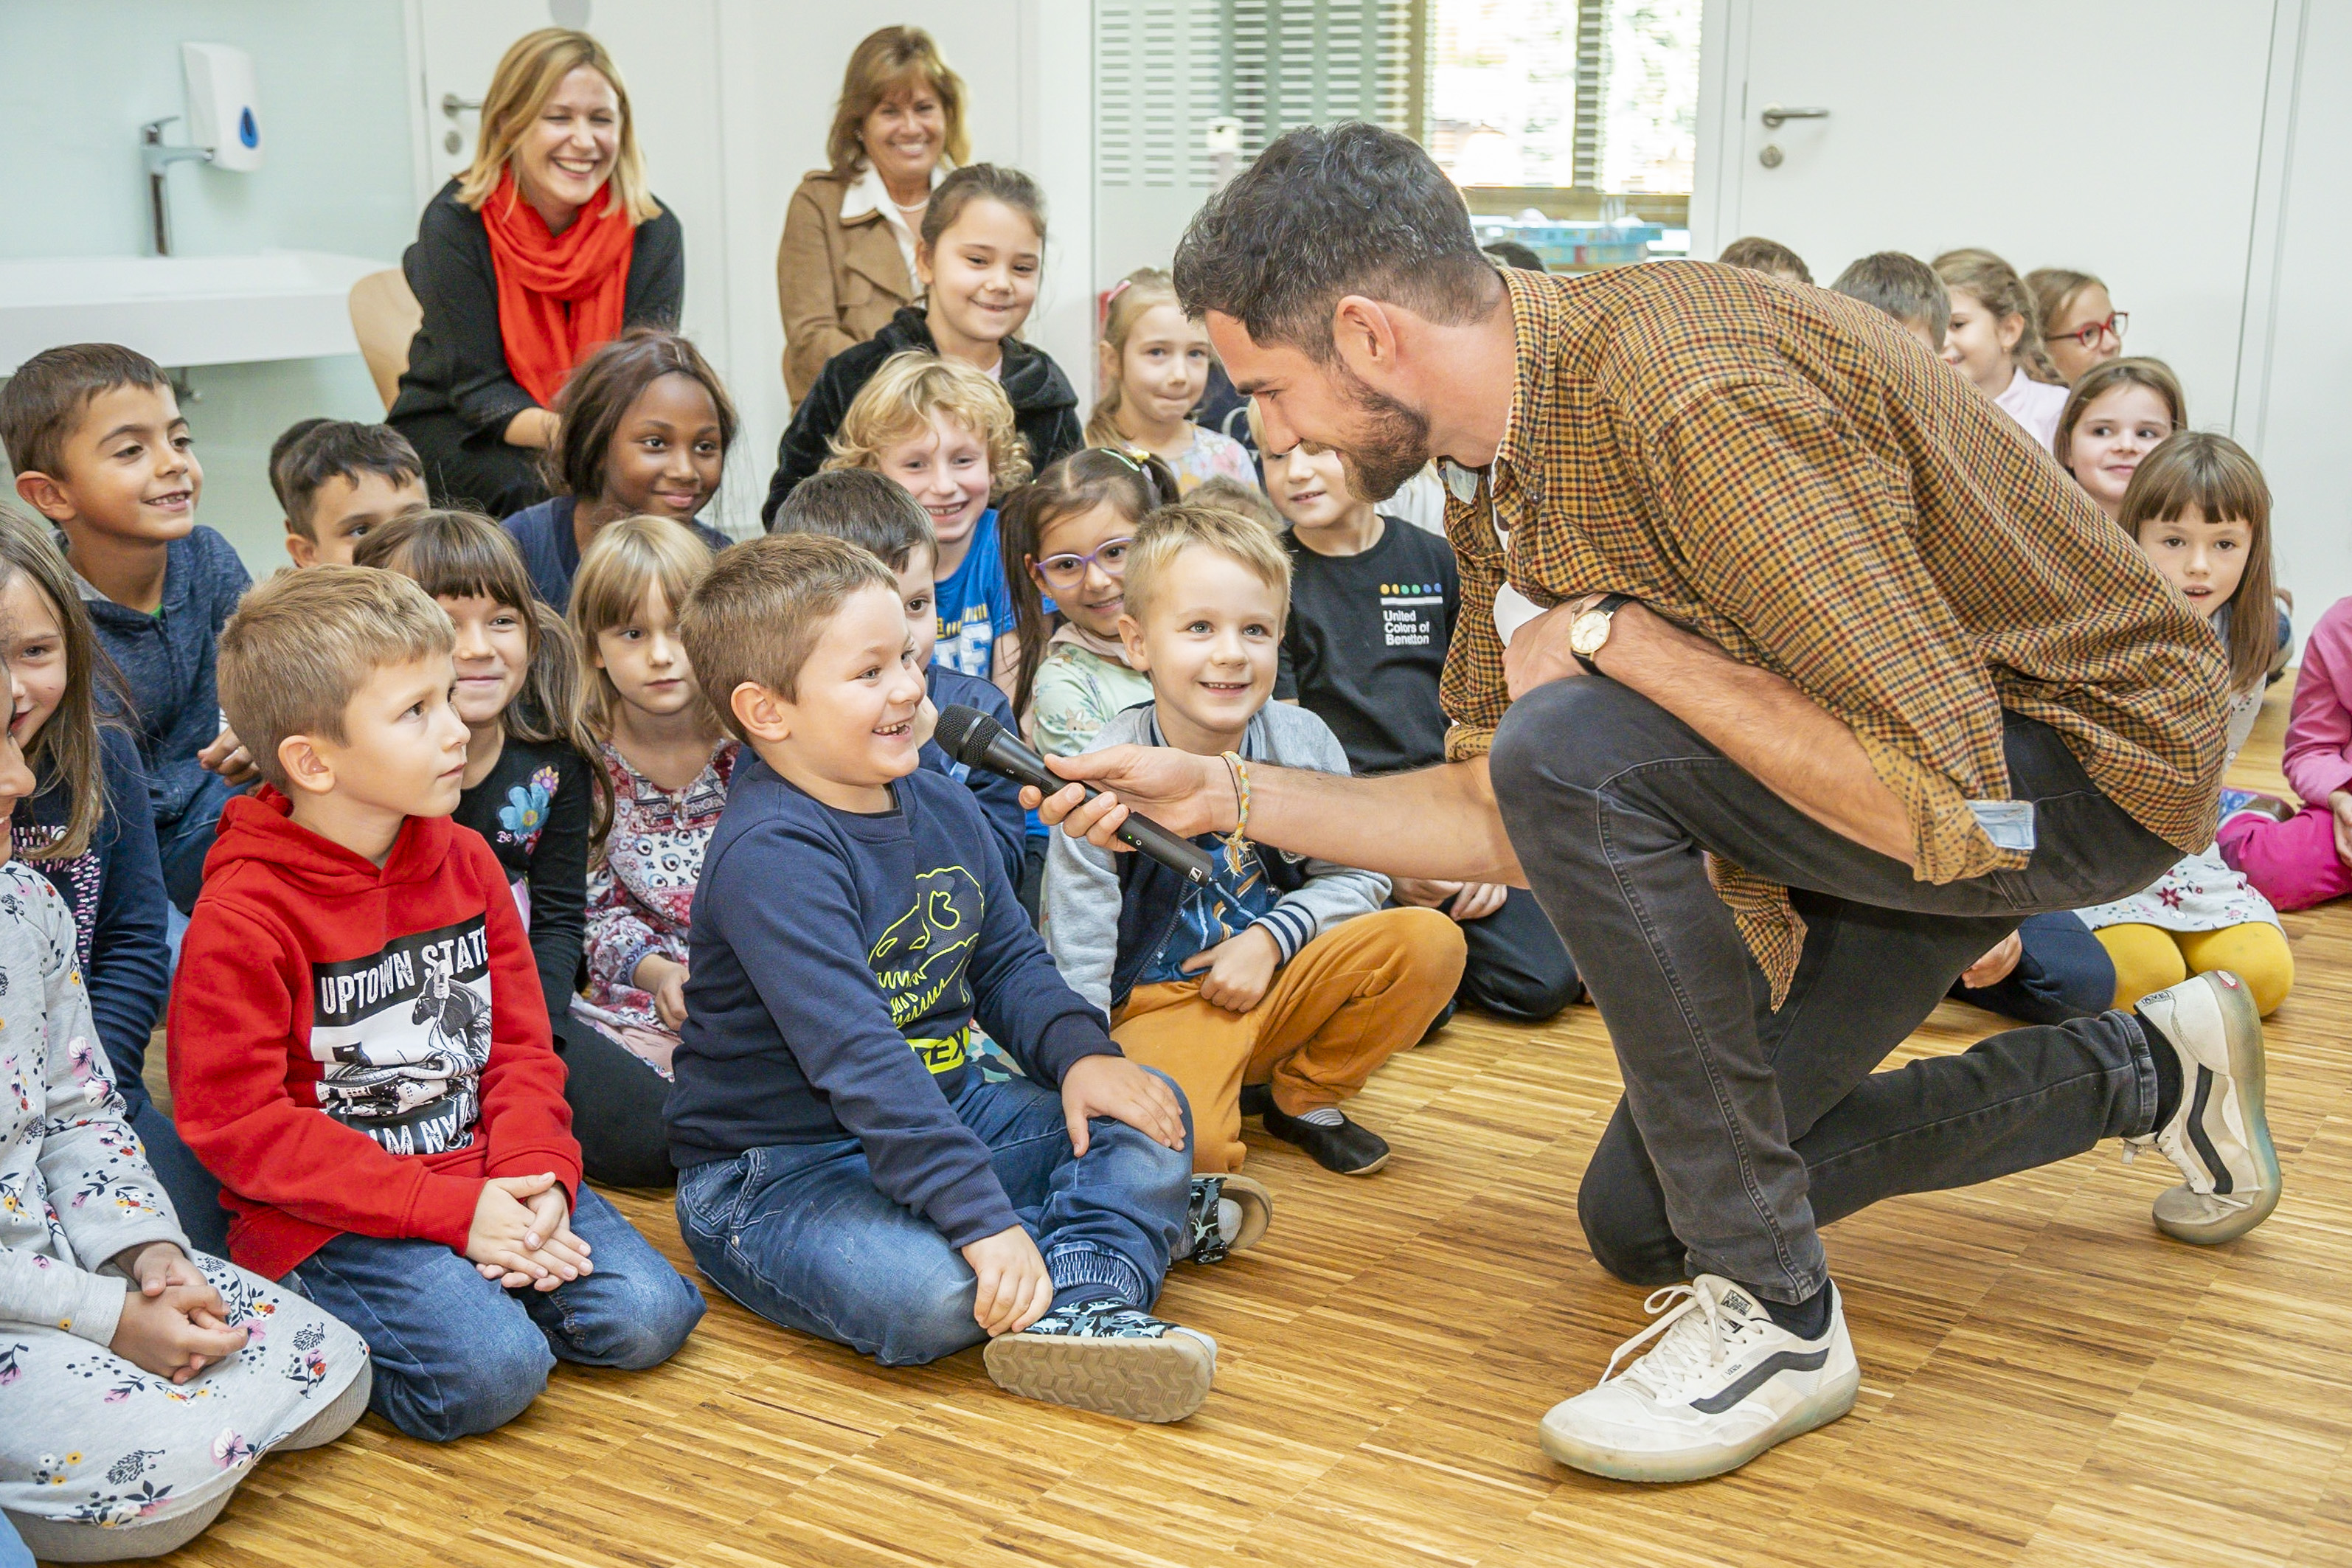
(547, 247)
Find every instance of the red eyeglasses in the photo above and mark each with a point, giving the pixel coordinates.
(2089, 333)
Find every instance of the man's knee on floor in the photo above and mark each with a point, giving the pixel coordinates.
(1624, 1242)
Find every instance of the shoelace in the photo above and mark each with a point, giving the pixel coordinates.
(1678, 1356)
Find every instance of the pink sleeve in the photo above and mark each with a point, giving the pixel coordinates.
(2318, 760)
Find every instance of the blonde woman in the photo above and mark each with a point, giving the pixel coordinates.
(546, 247)
(847, 263)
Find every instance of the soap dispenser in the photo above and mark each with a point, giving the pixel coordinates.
(224, 105)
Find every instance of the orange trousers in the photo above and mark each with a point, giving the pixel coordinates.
(1353, 997)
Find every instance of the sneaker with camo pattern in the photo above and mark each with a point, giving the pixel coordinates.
(1108, 1357)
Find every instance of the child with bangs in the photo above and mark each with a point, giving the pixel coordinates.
(645, 428)
(531, 788)
(1156, 366)
(945, 434)
(669, 767)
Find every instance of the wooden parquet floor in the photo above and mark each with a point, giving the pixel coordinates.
(2046, 1381)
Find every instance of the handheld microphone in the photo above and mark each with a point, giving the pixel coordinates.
(977, 740)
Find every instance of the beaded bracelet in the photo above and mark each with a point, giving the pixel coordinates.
(1239, 767)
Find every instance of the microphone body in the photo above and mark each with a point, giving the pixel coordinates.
(977, 740)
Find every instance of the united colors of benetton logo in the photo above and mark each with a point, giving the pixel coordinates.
(1408, 612)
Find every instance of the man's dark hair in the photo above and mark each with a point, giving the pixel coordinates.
(1511, 253)
(1758, 254)
(1904, 287)
(867, 507)
(1326, 213)
(316, 450)
(44, 399)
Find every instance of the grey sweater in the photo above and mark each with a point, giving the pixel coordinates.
(1083, 895)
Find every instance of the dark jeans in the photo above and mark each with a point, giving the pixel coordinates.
(617, 1100)
(456, 1355)
(1744, 1129)
(800, 1233)
(1518, 968)
(479, 472)
(2061, 973)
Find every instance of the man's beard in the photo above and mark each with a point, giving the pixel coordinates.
(1389, 448)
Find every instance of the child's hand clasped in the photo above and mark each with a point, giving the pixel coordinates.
(1239, 968)
(173, 1323)
(521, 1234)
(1014, 1289)
(1117, 1088)
(665, 978)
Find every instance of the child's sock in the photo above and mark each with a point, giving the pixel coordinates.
(1322, 1116)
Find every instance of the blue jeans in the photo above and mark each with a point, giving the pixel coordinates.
(2061, 973)
(798, 1232)
(457, 1355)
(184, 842)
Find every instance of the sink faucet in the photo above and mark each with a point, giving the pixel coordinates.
(159, 158)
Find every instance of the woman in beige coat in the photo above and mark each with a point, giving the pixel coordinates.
(847, 260)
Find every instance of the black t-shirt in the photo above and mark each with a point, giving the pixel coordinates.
(535, 810)
(1366, 643)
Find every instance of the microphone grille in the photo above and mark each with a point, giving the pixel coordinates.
(964, 732)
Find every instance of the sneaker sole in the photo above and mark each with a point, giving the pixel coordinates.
(1157, 1379)
(1826, 1406)
(1257, 1210)
(2189, 1217)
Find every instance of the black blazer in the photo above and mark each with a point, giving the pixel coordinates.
(458, 362)
(1045, 407)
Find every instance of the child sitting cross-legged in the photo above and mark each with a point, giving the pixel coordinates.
(879, 517)
(1282, 992)
(669, 766)
(143, 1378)
(843, 1167)
(359, 1043)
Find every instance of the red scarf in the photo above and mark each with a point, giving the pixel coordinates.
(560, 296)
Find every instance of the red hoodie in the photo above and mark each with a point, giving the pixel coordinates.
(354, 1048)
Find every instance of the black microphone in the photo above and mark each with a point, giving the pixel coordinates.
(977, 740)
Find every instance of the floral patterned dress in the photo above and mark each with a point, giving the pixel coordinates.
(641, 900)
(88, 1437)
(2201, 893)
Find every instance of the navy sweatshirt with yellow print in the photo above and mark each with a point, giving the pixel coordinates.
(836, 963)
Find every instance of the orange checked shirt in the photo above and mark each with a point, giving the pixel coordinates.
(1790, 474)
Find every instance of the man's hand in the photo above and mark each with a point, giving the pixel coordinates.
(1239, 968)
(1538, 653)
(173, 1323)
(1013, 1290)
(666, 979)
(505, 1233)
(2340, 804)
(226, 756)
(1118, 1089)
(1187, 795)
(1994, 967)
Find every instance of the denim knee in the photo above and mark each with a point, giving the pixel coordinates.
(1545, 739)
(505, 1367)
(931, 1317)
(646, 1322)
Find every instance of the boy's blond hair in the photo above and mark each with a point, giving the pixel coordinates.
(1231, 495)
(757, 614)
(301, 645)
(897, 405)
(621, 562)
(1172, 530)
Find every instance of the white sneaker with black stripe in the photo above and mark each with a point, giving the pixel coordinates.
(1723, 1383)
(2219, 1135)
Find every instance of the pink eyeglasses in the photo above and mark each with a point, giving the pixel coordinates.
(2090, 332)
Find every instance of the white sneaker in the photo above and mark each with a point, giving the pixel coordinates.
(1723, 1383)
(2218, 1137)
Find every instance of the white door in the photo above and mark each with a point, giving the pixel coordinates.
(667, 52)
(2116, 137)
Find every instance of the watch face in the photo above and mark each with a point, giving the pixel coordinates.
(1590, 630)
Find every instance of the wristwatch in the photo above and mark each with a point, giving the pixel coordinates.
(1590, 631)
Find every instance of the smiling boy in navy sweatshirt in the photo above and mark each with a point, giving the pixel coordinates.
(843, 1168)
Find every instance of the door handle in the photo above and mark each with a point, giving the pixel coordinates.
(454, 106)
(1775, 116)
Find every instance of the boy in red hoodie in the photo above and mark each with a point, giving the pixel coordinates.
(358, 1047)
